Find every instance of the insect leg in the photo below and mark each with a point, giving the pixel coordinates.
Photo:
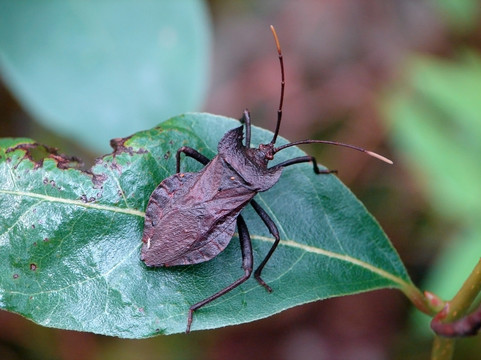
(302, 159)
(190, 153)
(246, 119)
(247, 261)
(275, 232)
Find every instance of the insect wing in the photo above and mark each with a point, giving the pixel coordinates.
(189, 220)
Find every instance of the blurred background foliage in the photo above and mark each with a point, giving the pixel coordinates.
(90, 72)
(401, 77)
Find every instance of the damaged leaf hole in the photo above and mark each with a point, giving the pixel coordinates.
(37, 153)
(119, 147)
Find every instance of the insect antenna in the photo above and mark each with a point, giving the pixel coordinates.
(283, 84)
(300, 142)
(279, 117)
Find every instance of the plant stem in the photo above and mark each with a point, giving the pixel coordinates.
(461, 302)
(424, 303)
(443, 348)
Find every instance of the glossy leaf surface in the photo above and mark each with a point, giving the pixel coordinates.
(70, 240)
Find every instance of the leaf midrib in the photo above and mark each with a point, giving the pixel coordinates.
(49, 198)
(319, 251)
(289, 243)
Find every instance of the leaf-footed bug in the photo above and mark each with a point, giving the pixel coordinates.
(191, 217)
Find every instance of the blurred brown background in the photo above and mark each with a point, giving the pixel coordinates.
(339, 57)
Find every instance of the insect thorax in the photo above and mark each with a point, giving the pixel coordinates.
(249, 163)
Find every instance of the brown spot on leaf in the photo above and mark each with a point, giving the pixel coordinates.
(33, 266)
(84, 199)
(97, 179)
(115, 166)
(37, 153)
(118, 144)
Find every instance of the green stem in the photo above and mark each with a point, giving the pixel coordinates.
(427, 302)
(459, 305)
(443, 348)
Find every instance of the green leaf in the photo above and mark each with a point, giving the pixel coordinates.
(436, 125)
(462, 15)
(114, 67)
(70, 240)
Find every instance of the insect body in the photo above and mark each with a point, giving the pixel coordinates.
(191, 217)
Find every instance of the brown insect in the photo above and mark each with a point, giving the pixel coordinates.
(191, 217)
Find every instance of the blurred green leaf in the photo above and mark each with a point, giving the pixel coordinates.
(463, 15)
(96, 70)
(70, 240)
(436, 126)
(435, 122)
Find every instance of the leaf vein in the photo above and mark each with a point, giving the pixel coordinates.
(319, 251)
(80, 203)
